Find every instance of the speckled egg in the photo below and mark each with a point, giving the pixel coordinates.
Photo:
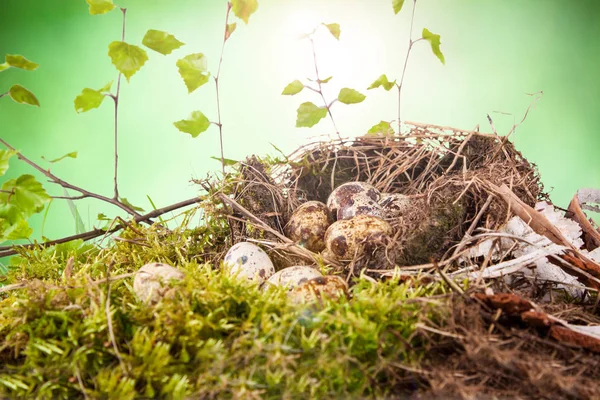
(394, 205)
(343, 194)
(151, 282)
(247, 260)
(308, 224)
(319, 288)
(359, 204)
(348, 238)
(293, 276)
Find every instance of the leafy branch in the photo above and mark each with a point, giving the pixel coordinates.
(194, 72)
(382, 81)
(308, 113)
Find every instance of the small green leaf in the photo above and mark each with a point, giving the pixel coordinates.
(293, 88)
(127, 58)
(5, 156)
(243, 9)
(90, 98)
(161, 42)
(382, 81)
(309, 115)
(195, 125)
(350, 96)
(103, 217)
(383, 127)
(230, 29)
(434, 40)
(228, 162)
(194, 70)
(21, 95)
(17, 61)
(128, 204)
(397, 4)
(28, 194)
(72, 154)
(334, 29)
(18, 230)
(98, 7)
(326, 79)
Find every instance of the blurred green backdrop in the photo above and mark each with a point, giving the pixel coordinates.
(496, 51)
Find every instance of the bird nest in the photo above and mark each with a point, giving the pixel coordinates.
(449, 176)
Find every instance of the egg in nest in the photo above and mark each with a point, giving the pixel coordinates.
(348, 238)
(247, 260)
(308, 224)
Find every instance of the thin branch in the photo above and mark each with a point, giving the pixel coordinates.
(67, 185)
(410, 45)
(320, 91)
(3, 94)
(94, 233)
(219, 123)
(116, 100)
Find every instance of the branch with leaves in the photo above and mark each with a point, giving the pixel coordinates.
(193, 68)
(309, 114)
(385, 127)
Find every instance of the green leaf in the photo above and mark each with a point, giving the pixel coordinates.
(434, 40)
(88, 99)
(382, 81)
(243, 9)
(21, 95)
(72, 154)
(18, 230)
(350, 96)
(79, 225)
(383, 127)
(230, 29)
(17, 61)
(5, 156)
(227, 161)
(397, 4)
(161, 42)
(98, 7)
(128, 204)
(293, 88)
(128, 58)
(28, 194)
(194, 71)
(334, 29)
(103, 217)
(309, 115)
(195, 125)
(325, 80)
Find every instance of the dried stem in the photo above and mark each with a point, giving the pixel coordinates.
(94, 233)
(219, 123)
(320, 90)
(116, 100)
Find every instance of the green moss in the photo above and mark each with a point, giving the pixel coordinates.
(217, 337)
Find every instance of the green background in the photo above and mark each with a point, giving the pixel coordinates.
(496, 51)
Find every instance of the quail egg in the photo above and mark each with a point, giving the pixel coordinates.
(394, 205)
(359, 204)
(293, 276)
(319, 288)
(308, 224)
(350, 237)
(247, 260)
(150, 283)
(343, 194)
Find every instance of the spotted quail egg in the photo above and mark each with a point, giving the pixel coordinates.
(394, 205)
(293, 276)
(308, 224)
(150, 283)
(348, 238)
(319, 288)
(359, 204)
(343, 195)
(247, 260)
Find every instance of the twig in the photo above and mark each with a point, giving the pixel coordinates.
(219, 123)
(94, 233)
(80, 381)
(66, 185)
(116, 101)
(410, 45)
(320, 91)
